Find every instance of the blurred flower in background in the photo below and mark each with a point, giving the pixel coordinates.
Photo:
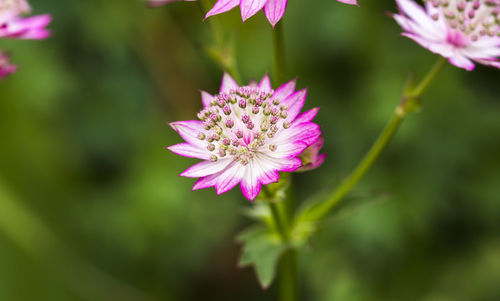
(273, 9)
(13, 26)
(10, 9)
(247, 135)
(352, 2)
(461, 31)
(5, 67)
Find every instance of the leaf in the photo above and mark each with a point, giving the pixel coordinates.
(262, 249)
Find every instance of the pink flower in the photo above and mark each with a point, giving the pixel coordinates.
(246, 135)
(14, 26)
(12, 8)
(352, 2)
(460, 30)
(5, 67)
(274, 9)
(311, 159)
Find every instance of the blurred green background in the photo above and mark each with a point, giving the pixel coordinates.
(92, 207)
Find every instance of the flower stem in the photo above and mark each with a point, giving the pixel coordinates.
(409, 102)
(288, 271)
(282, 208)
(280, 69)
(289, 276)
(424, 83)
(279, 221)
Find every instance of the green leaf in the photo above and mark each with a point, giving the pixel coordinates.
(262, 249)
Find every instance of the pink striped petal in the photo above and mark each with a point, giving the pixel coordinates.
(250, 8)
(352, 2)
(306, 116)
(274, 10)
(205, 182)
(32, 28)
(222, 6)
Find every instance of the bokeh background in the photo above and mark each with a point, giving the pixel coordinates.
(92, 207)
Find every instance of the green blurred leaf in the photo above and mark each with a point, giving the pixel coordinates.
(262, 249)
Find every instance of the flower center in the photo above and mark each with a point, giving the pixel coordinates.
(242, 123)
(474, 18)
(456, 38)
(16, 6)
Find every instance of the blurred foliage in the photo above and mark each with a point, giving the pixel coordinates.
(83, 126)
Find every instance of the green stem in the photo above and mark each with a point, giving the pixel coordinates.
(424, 83)
(282, 209)
(279, 221)
(289, 276)
(280, 69)
(410, 101)
(288, 271)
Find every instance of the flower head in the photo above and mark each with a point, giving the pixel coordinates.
(460, 30)
(5, 67)
(246, 135)
(12, 25)
(352, 2)
(10, 9)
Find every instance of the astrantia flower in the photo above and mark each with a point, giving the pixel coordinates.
(353, 2)
(460, 30)
(274, 9)
(5, 67)
(246, 135)
(311, 159)
(12, 25)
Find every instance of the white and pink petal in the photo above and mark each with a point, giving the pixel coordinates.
(189, 150)
(206, 168)
(228, 83)
(189, 131)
